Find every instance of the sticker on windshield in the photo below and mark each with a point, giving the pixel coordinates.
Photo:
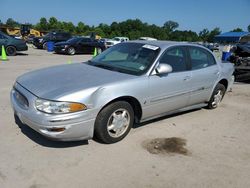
(151, 47)
(142, 67)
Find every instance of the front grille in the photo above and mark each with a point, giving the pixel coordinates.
(21, 99)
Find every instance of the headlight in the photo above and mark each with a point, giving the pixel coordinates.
(55, 107)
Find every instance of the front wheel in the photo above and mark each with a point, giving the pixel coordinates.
(71, 51)
(114, 122)
(11, 51)
(45, 46)
(217, 96)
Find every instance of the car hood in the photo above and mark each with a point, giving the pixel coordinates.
(58, 81)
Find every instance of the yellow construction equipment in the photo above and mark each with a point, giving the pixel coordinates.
(24, 31)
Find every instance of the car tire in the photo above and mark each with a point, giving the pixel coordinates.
(217, 96)
(11, 51)
(71, 51)
(114, 122)
(45, 46)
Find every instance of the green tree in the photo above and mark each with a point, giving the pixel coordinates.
(170, 26)
(248, 28)
(53, 24)
(237, 30)
(81, 28)
(213, 33)
(12, 23)
(42, 25)
(106, 29)
(66, 26)
(204, 34)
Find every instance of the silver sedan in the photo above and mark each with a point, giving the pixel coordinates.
(128, 83)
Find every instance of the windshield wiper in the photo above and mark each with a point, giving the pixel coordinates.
(100, 65)
(105, 67)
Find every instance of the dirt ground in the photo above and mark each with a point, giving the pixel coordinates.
(217, 143)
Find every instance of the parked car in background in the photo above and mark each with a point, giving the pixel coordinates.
(104, 40)
(131, 82)
(147, 38)
(30, 38)
(78, 45)
(212, 46)
(116, 40)
(241, 59)
(11, 44)
(41, 42)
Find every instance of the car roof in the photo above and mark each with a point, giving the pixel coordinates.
(164, 44)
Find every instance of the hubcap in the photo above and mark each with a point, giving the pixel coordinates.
(72, 51)
(118, 123)
(10, 50)
(217, 98)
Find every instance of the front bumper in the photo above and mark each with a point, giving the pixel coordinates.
(59, 49)
(22, 47)
(77, 126)
(37, 44)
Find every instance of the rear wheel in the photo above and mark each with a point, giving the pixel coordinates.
(45, 46)
(71, 51)
(114, 122)
(217, 96)
(11, 51)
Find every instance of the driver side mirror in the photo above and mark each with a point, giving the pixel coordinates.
(163, 69)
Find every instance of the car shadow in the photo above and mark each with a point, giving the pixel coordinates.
(43, 141)
(137, 125)
(65, 54)
(21, 54)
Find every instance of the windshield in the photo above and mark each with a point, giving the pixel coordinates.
(116, 39)
(47, 35)
(130, 58)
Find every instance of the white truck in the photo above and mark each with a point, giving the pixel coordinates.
(116, 40)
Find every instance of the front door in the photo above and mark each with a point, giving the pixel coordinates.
(171, 91)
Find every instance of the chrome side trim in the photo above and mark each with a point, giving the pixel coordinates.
(179, 94)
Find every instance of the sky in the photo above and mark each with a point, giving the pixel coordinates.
(190, 14)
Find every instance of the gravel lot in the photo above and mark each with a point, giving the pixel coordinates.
(217, 144)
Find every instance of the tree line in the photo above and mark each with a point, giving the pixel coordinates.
(132, 28)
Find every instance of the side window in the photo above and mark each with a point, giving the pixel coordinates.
(66, 35)
(86, 40)
(176, 58)
(200, 58)
(59, 36)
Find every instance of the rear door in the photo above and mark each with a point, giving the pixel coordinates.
(171, 91)
(205, 72)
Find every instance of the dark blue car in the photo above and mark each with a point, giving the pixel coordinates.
(11, 44)
(79, 45)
